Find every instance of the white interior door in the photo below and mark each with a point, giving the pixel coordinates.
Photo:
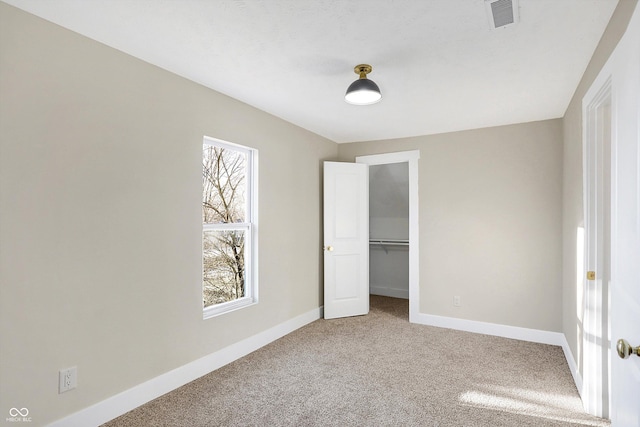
(625, 288)
(346, 239)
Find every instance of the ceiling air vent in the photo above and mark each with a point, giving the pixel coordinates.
(502, 13)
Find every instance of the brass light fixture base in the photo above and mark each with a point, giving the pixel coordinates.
(362, 70)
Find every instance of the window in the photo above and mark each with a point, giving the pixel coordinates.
(228, 227)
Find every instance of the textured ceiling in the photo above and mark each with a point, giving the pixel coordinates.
(439, 65)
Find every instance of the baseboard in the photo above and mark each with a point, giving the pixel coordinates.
(130, 399)
(505, 331)
(573, 367)
(389, 292)
(513, 332)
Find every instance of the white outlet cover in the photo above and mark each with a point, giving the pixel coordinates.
(68, 379)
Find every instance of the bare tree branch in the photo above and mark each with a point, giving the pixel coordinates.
(223, 202)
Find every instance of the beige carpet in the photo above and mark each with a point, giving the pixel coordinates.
(378, 370)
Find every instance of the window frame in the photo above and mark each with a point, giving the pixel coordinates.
(250, 227)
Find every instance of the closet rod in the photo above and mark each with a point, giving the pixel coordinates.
(388, 242)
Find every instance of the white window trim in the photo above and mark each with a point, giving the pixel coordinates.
(251, 227)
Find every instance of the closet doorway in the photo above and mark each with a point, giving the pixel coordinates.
(393, 226)
(389, 230)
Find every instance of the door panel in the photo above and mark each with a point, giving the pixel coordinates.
(346, 276)
(625, 289)
(346, 239)
(346, 219)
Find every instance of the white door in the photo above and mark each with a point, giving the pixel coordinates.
(346, 239)
(625, 283)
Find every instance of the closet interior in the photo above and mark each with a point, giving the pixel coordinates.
(389, 230)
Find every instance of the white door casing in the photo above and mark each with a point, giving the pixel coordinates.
(346, 239)
(411, 157)
(597, 204)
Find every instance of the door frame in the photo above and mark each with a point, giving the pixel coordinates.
(410, 157)
(598, 170)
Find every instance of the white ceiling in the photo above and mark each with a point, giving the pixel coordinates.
(438, 64)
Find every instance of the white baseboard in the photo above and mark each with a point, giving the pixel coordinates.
(389, 292)
(130, 399)
(513, 332)
(505, 331)
(571, 361)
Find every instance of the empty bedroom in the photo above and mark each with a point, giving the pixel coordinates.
(319, 213)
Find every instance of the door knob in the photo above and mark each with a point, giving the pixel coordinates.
(625, 349)
(329, 248)
(591, 275)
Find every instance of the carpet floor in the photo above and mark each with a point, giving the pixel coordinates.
(378, 370)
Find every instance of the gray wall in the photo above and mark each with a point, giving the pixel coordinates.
(100, 188)
(572, 208)
(490, 221)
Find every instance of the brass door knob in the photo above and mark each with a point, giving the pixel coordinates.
(625, 349)
(329, 248)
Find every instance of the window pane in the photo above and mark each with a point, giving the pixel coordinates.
(224, 185)
(224, 272)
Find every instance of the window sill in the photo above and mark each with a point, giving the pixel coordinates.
(226, 307)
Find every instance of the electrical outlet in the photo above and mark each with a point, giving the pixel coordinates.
(68, 379)
(456, 301)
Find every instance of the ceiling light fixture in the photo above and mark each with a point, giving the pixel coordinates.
(363, 91)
